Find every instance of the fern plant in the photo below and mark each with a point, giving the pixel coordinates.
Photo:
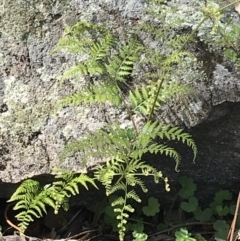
(32, 199)
(122, 149)
(108, 66)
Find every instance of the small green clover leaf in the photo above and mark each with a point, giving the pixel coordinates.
(152, 208)
(222, 195)
(138, 227)
(203, 216)
(218, 207)
(190, 206)
(188, 187)
(232, 209)
(110, 217)
(222, 210)
(183, 235)
(112, 221)
(109, 211)
(222, 229)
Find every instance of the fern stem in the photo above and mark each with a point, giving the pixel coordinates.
(162, 80)
(131, 117)
(180, 50)
(155, 99)
(128, 111)
(125, 201)
(229, 5)
(192, 34)
(202, 21)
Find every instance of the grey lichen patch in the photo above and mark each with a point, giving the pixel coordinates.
(20, 19)
(224, 82)
(22, 161)
(28, 109)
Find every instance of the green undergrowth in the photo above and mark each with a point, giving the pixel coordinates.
(108, 76)
(186, 219)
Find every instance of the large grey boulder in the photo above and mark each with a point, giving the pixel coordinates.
(32, 135)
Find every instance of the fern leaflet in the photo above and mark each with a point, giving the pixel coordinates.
(142, 99)
(120, 66)
(100, 93)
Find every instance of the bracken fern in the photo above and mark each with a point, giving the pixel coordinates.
(32, 199)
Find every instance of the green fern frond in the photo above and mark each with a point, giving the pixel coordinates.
(24, 219)
(102, 144)
(100, 93)
(84, 179)
(134, 181)
(66, 185)
(122, 217)
(179, 40)
(151, 130)
(82, 38)
(120, 66)
(122, 149)
(143, 98)
(133, 195)
(177, 133)
(118, 201)
(117, 187)
(72, 44)
(134, 164)
(176, 58)
(105, 176)
(33, 204)
(80, 27)
(126, 173)
(158, 148)
(105, 173)
(99, 50)
(26, 190)
(76, 40)
(32, 198)
(88, 67)
(129, 209)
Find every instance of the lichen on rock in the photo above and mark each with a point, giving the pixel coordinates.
(28, 109)
(23, 18)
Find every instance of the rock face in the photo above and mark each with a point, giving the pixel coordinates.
(32, 135)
